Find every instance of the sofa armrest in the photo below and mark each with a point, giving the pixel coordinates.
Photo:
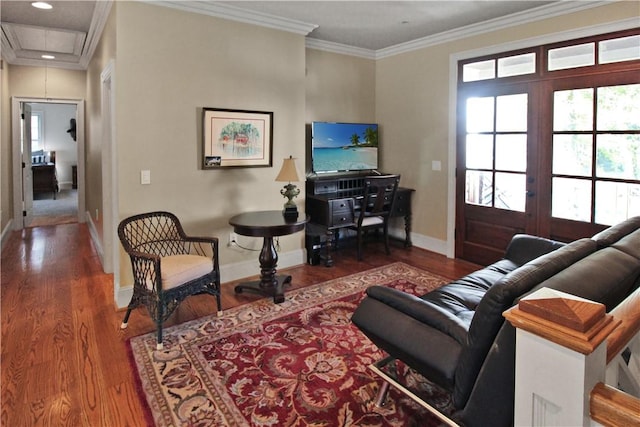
(524, 248)
(422, 311)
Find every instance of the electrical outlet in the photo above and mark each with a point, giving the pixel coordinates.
(233, 238)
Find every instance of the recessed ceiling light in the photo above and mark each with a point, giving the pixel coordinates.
(48, 57)
(41, 5)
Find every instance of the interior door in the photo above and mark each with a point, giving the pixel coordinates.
(27, 173)
(496, 185)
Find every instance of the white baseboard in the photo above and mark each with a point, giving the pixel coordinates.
(239, 270)
(95, 237)
(228, 272)
(5, 233)
(65, 185)
(422, 241)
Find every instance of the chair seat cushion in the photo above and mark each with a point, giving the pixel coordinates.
(372, 220)
(180, 269)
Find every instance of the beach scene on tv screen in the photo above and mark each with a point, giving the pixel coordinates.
(344, 146)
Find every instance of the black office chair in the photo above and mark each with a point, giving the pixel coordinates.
(375, 208)
(167, 265)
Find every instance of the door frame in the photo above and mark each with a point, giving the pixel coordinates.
(610, 27)
(17, 154)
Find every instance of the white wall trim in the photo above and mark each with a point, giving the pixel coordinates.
(237, 14)
(95, 236)
(520, 18)
(6, 232)
(489, 50)
(228, 273)
(344, 49)
(515, 19)
(421, 241)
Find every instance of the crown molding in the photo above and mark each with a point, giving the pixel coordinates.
(520, 18)
(238, 14)
(98, 21)
(344, 49)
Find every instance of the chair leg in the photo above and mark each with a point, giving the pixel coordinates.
(359, 245)
(219, 302)
(125, 321)
(159, 345)
(386, 239)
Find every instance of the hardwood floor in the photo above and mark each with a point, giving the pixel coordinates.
(64, 358)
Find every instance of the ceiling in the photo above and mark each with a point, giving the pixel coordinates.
(71, 30)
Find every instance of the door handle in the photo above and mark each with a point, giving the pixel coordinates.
(530, 193)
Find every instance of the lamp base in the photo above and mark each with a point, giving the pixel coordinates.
(290, 212)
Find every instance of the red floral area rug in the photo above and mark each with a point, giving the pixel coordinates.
(299, 363)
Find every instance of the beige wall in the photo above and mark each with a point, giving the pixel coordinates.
(104, 53)
(412, 102)
(171, 64)
(339, 88)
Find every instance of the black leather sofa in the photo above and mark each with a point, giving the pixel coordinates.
(456, 336)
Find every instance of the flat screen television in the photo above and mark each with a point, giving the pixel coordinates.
(340, 147)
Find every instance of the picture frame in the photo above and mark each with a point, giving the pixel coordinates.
(237, 138)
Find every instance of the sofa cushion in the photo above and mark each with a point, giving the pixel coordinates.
(629, 244)
(500, 297)
(616, 232)
(607, 276)
(179, 269)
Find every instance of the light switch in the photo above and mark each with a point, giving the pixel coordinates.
(145, 177)
(436, 165)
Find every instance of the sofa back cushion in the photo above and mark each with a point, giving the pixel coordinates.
(616, 232)
(607, 276)
(488, 319)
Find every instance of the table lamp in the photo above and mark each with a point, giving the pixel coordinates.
(289, 173)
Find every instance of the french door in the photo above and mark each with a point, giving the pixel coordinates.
(590, 176)
(497, 152)
(548, 143)
(559, 159)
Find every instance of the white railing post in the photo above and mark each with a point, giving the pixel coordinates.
(561, 355)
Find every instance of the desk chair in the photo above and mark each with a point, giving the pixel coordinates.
(167, 265)
(376, 206)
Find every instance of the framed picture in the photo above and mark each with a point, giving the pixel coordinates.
(237, 138)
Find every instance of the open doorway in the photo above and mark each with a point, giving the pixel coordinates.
(54, 156)
(47, 161)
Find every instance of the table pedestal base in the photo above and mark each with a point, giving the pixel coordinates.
(276, 290)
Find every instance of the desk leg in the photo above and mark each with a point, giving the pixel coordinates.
(407, 231)
(269, 284)
(328, 261)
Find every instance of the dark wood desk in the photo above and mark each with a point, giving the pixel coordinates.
(332, 203)
(267, 224)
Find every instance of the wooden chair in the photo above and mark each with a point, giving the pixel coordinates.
(375, 208)
(167, 265)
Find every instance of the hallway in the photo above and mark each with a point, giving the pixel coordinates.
(64, 361)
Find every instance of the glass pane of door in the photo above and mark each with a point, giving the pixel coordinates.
(596, 154)
(496, 151)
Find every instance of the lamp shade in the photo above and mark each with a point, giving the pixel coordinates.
(288, 173)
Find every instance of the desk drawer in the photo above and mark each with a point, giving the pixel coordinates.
(402, 204)
(325, 187)
(341, 212)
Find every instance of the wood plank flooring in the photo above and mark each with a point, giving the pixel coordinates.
(64, 359)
